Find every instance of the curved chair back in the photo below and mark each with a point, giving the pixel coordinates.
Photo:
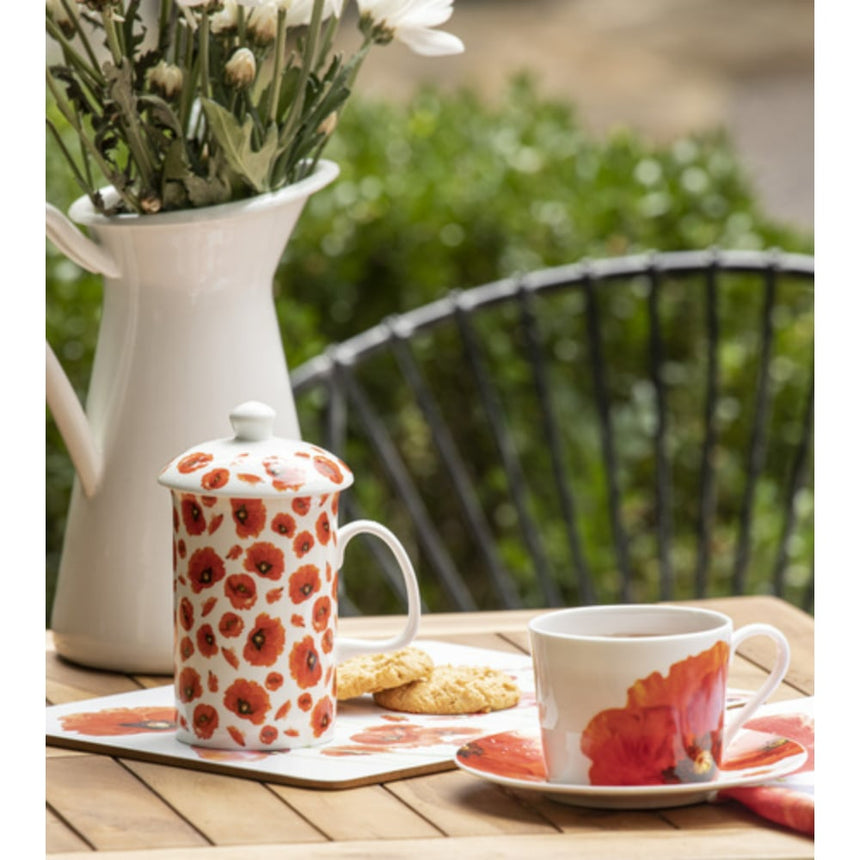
(628, 429)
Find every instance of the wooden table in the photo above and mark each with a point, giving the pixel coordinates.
(142, 811)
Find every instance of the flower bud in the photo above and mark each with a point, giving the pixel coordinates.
(226, 20)
(241, 69)
(263, 23)
(166, 79)
(150, 202)
(60, 16)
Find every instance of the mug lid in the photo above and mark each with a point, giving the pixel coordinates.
(254, 463)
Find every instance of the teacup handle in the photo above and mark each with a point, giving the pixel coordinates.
(345, 648)
(773, 680)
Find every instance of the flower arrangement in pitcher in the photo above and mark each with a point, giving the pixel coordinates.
(212, 101)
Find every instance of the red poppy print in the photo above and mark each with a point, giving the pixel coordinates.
(112, 722)
(507, 754)
(322, 716)
(305, 663)
(405, 735)
(265, 641)
(323, 528)
(327, 641)
(670, 730)
(215, 479)
(230, 656)
(186, 648)
(305, 701)
(249, 516)
(297, 620)
(205, 568)
(237, 736)
(284, 525)
(321, 614)
(274, 680)
(304, 583)
(248, 700)
(215, 522)
(204, 721)
(212, 682)
(193, 462)
(249, 478)
(188, 685)
(192, 515)
(181, 549)
(274, 595)
(301, 505)
(283, 710)
(796, 727)
(234, 552)
(209, 501)
(206, 641)
(266, 559)
(241, 591)
(268, 735)
(328, 469)
(186, 613)
(775, 750)
(230, 625)
(303, 543)
(208, 606)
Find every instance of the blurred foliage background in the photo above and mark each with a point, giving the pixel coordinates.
(448, 190)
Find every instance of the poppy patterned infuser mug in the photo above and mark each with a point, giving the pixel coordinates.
(257, 552)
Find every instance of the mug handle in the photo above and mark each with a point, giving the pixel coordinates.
(773, 680)
(345, 648)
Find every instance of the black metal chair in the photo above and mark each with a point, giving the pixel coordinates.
(628, 429)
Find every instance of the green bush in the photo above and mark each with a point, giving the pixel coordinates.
(447, 191)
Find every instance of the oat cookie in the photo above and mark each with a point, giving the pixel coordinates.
(371, 673)
(454, 690)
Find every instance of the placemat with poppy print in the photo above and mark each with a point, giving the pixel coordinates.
(371, 744)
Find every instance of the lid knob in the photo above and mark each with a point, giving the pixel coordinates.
(253, 421)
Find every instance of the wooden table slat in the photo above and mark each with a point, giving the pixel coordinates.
(369, 812)
(725, 844)
(111, 808)
(227, 810)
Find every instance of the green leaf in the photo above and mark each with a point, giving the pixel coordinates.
(236, 142)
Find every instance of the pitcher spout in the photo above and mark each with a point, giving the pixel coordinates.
(73, 424)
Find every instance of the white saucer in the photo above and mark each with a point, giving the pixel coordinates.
(515, 759)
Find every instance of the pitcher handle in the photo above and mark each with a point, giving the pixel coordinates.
(77, 247)
(59, 393)
(353, 647)
(72, 422)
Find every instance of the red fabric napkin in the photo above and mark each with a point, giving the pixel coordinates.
(788, 800)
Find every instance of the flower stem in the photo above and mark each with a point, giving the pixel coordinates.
(275, 90)
(204, 55)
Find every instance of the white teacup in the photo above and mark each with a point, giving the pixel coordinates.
(635, 694)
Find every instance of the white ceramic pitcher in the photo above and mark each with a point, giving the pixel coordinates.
(188, 330)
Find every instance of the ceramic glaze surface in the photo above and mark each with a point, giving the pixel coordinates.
(188, 329)
(257, 554)
(635, 695)
(256, 607)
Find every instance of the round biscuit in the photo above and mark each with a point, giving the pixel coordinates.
(370, 673)
(454, 690)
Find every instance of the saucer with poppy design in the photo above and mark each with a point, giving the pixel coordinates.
(515, 760)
